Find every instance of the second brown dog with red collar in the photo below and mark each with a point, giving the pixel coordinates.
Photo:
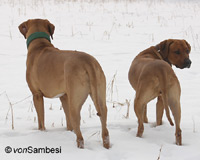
(151, 76)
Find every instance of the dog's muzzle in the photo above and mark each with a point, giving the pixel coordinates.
(187, 63)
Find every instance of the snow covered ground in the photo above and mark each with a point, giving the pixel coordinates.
(114, 32)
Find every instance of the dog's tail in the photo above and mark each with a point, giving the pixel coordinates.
(97, 83)
(97, 87)
(165, 97)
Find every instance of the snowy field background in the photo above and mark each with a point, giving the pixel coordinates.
(114, 32)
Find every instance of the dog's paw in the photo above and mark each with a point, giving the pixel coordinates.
(69, 128)
(178, 139)
(106, 142)
(42, 128)
(80, 143)
(179, 142)
(145, 120)
(139, 134)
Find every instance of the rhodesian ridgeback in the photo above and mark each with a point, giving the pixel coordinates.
(68, 75)
(151, 76)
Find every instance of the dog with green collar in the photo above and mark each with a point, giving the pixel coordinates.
(68, 75)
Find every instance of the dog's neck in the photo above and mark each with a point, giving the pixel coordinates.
(157, 52)
(37, 35)
(160, 55)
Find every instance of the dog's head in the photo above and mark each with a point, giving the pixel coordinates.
(176, 52)
(36, 25)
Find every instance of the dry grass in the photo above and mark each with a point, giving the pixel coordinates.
(128, 108)
(11, 108)
(90, 111)
(31, 107)
(194, 128)
(160, 152)
(110, 88)
(51, 107)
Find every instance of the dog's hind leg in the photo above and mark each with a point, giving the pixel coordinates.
(174, 103)
(139, 109)
(105, 134)
(159, 110)
(100, 104)
(139, 106)
(176, 111)
(98, 95)
(145, 92)
(77, 90)
(65, 107)
(39, 106)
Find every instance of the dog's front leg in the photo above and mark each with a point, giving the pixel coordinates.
(145, 119)
(39, 106)
(65, 106)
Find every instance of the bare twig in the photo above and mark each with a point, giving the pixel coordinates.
(2, 93)
(160, 152)
(97, 132)
(117, 103)
(90, 111)
(10, 33)
(21, 100)
(194, 130)
(128, 107)
(31, 107)
(108, 33)
(62, 122)
(7, 113)
(53, 125)
(11, 108)
(110, 86)
(51, 107)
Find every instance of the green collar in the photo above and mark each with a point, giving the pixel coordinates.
(37, 35)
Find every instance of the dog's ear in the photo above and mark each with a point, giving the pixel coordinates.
(188, 45)
(164, 47)
(23, 28)
(51, 28)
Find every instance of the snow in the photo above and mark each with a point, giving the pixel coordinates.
(114, 32)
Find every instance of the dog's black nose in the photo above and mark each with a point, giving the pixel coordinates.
(187, 63)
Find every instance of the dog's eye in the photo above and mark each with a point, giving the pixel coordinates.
(187, 51)
(177, 52)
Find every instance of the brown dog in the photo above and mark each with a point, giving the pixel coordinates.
(69, 75)
(151, 75)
